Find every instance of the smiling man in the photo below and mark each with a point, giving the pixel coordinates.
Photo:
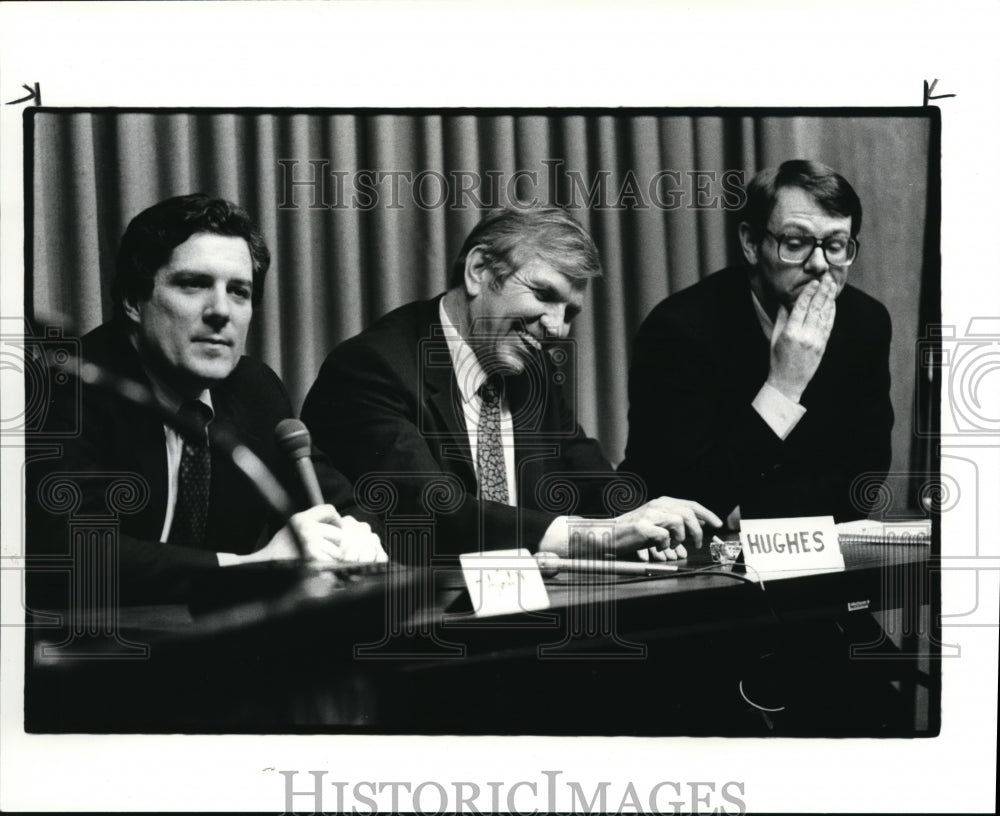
(763, 390)
(454, 407)
(189, 272)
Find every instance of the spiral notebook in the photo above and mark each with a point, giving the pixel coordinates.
(868, 531)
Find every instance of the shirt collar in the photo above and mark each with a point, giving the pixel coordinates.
(168, 398)
(468, 371)
(766, 324)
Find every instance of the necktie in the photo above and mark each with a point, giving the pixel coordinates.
(489, 446)
(195, 475)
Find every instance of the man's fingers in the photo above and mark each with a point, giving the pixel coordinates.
(328, 533)
(317, 528)
(694, 536)
(664, 552)
(679, 518)
(652, 532)
(355, 541)
(323, 550)
(706, 516)
(830, 313)
(823, 295)
(322, 540)
(780, 321)
(684, 518)
(326, 513)
(822, 309)
(694, 516)
(355, 551)
(693, 527)
(363, 548)
(351, 524)
(677, 527)
(802, 303)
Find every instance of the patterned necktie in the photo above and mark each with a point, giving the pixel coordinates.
(489, 446)
(195, 475)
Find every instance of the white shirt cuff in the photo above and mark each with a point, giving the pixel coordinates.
(556, 538)
(777, 410)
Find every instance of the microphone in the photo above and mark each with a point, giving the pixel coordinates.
(245, 460)
(550, 564)
(293, 439)
(223, 436)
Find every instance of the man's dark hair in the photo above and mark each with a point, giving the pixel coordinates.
(830, 189)
(509, 238)
(153, 234)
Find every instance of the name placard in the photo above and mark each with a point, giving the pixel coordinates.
(790, 547)
(503, 582)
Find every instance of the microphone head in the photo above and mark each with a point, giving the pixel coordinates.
(293, 438)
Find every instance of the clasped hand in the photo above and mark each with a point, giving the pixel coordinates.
(327, 536)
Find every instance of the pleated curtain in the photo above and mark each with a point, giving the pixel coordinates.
(365, 211)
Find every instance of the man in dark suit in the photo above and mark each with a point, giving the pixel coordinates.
(189, 272)
(763, 390)
(454, 408)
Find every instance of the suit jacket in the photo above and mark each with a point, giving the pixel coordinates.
(116, 435)
(699, 359)
(387, 408)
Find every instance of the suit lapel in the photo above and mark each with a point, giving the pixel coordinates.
(142, 433)
(225, 478)
(149, 443)
(747, 343)
(227, 492)
(442, 396)
(527, 408)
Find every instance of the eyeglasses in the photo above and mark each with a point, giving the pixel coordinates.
(837, 250)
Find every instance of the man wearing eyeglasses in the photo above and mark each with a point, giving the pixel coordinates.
(763, 390)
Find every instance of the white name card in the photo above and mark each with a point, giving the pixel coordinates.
(790, 547)
(503, 582)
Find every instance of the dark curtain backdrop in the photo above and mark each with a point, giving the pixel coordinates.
(351, 250)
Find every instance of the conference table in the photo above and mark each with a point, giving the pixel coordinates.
(704, 651)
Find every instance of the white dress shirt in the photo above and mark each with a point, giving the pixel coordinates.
(471, 376)
(175, 448)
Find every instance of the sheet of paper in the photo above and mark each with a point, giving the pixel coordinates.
(503, 582)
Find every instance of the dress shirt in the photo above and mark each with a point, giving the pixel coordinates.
(175, 446)
(470, 376)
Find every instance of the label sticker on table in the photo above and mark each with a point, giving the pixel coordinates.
(503, 582)
(790, 547)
